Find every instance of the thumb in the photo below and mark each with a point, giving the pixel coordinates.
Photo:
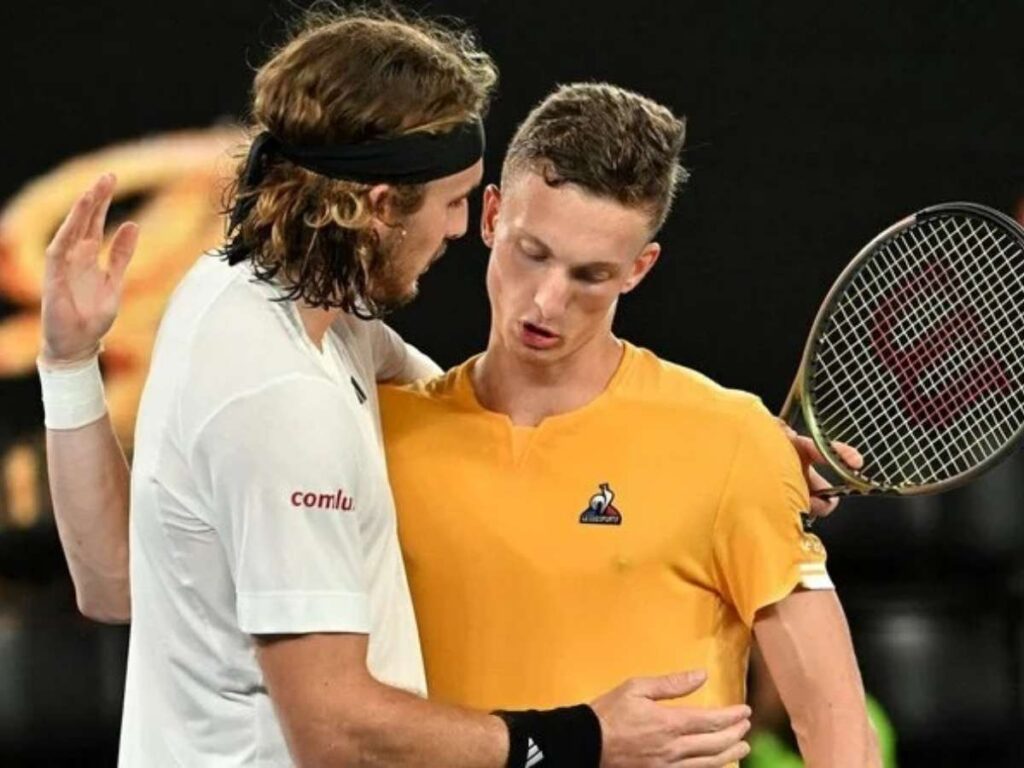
(671, 686)
(122, 246)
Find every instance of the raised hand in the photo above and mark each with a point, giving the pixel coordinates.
(80, 296)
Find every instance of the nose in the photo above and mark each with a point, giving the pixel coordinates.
(458, 222)
(552, 294)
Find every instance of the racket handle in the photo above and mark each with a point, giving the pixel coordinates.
(825, 493)
(835, 491)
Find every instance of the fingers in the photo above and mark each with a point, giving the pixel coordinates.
(74, 223)
(688, 722)
(122, 247)
(820, 506)
(807, 448)
(104, 193)
(811, 454)
(669, 686)
(823, 507)
(850, 455)
(734, 754)
(711, 744)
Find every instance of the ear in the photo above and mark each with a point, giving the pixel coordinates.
(642, 264)
(489, 214)
(380, 201)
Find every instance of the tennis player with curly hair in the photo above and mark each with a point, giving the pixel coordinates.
(271, 615)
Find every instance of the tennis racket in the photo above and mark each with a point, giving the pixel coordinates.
(916, 357)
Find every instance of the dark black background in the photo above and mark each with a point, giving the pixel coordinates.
(811, 127)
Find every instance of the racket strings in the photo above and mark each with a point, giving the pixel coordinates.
(958, 359)
(919, 364)
(988, 430)
(904, 338)
(954, 345)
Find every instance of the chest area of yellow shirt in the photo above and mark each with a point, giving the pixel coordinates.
(605, 497)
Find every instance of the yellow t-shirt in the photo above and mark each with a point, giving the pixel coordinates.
(637, 535)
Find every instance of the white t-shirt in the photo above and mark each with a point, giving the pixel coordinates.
(260, 505)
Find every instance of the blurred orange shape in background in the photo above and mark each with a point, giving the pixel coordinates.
(171, 185)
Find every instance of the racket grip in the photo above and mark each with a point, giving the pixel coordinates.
(835, 491)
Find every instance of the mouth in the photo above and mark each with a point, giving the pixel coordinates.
(537, 336)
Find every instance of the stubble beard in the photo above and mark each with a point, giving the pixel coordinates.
(389, 284)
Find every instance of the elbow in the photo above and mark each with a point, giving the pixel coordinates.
(332, 750)
(335, 736)
(107, 607)
(349, 741)
(341, 752)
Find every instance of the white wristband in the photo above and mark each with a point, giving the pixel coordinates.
(72, 396)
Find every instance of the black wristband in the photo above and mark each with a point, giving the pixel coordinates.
(569, 737)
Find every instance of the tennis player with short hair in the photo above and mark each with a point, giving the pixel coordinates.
(272, 623)
(573, 508)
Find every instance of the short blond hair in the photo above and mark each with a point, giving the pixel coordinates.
(607, 140)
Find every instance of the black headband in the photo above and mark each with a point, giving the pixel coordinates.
(412, 158)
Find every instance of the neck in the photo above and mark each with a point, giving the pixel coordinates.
(316, 321)
(528, 391)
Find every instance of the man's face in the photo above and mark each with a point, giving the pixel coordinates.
(420, 239)
(560, 258)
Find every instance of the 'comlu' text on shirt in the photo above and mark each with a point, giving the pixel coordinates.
(310, 500)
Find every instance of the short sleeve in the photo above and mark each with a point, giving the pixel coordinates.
(280, 469)
(761, 550)
(396, 361)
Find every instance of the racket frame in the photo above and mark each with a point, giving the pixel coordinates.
(798, 401)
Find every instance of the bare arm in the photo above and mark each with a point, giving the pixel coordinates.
(334, 713)
(806, 644)
(397, 361)
(89, 476)
(89, 485)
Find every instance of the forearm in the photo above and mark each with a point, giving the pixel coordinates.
(807, 648)
(833, 732)
(334, 713)
(398, 362)
(396, 728)
(90, 486)
(417, 367)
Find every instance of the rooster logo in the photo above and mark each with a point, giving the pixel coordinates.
(600, 510)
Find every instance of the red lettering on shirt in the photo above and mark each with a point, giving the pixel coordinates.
(310, 500)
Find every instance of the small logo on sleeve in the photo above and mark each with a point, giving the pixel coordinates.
(337, 500)
(601, 511)
(533, 754)
(360, 394)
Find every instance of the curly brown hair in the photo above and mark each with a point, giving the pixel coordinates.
(348, 75)
(608, 140)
